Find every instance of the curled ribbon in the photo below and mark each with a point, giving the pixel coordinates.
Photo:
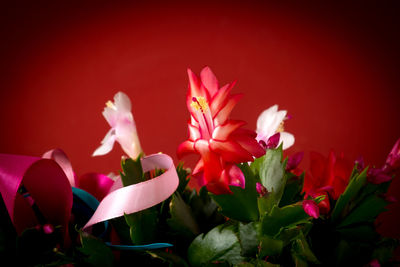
(139, 196)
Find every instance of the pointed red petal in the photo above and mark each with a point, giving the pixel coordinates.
(209, 80)
(199, 167)
(185, 148)
(223, 114)
(250, 144)
(195, 90)
(230, 151)
(222, 132)
(220, 98)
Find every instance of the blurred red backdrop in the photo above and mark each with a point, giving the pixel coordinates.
(334, 67)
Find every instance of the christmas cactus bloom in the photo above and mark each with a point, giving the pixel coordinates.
(393, 159)
(270, 122)
(327, 177)
(311, 208)
(222, 143)
(123, 129)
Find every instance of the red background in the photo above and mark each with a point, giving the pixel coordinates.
(334, 67)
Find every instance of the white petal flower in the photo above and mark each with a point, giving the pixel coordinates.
(270, 122)
(123, 129)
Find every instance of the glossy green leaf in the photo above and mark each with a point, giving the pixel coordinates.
(242, 204)
(301, 248)
(183, 176)
(143, 225)
(132, 172)
(219, 245)
(272, 173)
(342, 206)
(287, 216)
(98, 254)
(293, 190)
(249, 240)
(182, 219)
(367, 211)
(270, 246)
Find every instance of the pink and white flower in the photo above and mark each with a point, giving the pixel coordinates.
(270, 122)
(123, 128)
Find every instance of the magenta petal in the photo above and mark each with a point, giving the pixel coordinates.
(273, 141)
(96, 184)
(378, 176)
(236, 176)
(294, 161)
(261, 190)
(311, 208)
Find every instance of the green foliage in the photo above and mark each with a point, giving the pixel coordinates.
(143, 225)
(182, 219)
(221, 244)
(285, 217)
(97, 253)
(242, 204)
(132, 172)
(272, 173)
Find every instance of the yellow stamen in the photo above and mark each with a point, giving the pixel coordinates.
(281, 127)
(111, 105)
(199, 103)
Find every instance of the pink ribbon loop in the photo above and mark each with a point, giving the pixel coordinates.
(137, 197)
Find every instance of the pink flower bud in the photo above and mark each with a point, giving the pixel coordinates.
(48, 228)
(311, 208)
(261, 190)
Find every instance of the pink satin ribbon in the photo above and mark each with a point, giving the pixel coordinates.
(49, 182)
(139, 196)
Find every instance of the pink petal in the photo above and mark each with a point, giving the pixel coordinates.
(48, 228)
(311, 208)
(194, 132)
(128, 138)
(209, 80)
(107, 144)
(273, 141)
(261, 190)
(230, 151)
(222, 132)
(294, 161)
(122, 102)
(223, 114)
(185, 148)
(236, 176)
(96, 184)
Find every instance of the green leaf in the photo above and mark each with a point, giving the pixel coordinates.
(98, 254)
(284, 217)
(287, 235)
(367, 211)
(301, 248)
(293, 189)
(272, 172)
(219, 245)
(385, 249)
(270, 246)
(361, 233)
(132, 172)
(143, 225)
(242, 204)
(257, 263)
(249, 240)
(182, 219)
(173, 259)
(352, 189)
(184, 179)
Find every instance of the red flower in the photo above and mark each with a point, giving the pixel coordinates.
(327, 177)
(221, 142)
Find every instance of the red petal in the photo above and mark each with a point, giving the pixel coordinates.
(222, 132)
(230, 151)
(223, 114)
(195, 90)
(209, 80)
(220, 98)
(199, 167)
(185, 148)
(219, 187)
(317, 169)
(194, 132)
(251, 145)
